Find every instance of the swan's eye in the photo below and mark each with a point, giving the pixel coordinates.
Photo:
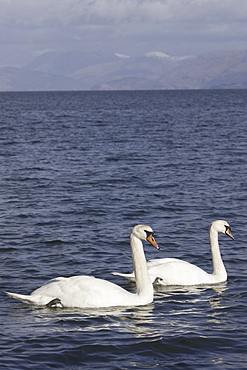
(227, 228)
(228, 231)
(149, 233)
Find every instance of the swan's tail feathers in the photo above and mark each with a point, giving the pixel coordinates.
(130, 277)
(37, 300)
(21, 297)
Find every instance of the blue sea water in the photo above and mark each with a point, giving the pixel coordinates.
(77, 171)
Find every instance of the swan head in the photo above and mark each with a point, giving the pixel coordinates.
(145, 232)
(222, 226)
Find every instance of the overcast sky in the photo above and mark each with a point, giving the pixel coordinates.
(176, 27)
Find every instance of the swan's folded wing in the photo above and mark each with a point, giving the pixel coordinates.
(130, 277)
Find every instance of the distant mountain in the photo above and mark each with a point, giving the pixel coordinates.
(66, 63)
(17, 79)
(119, 74)
(224, 69)
(80, 70)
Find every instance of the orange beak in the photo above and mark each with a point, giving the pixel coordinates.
(152, 241)
(228, 232)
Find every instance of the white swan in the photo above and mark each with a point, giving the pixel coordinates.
(87, 291)
(173, 271)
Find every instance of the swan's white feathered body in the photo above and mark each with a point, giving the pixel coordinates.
(173, 271)
(87, 291)
(80, 291)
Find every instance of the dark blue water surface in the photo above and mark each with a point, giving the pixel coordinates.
(77, 171)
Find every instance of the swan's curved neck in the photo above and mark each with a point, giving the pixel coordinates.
(144, 285)
(218, 266)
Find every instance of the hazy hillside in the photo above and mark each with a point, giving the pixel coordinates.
(66, 63)
(223, 69)
(15, 79)
(155, 70)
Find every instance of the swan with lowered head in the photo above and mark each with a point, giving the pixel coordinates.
(173, 271)
(88, 291)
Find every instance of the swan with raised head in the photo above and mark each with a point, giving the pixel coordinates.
(88, 291)
(173, 271)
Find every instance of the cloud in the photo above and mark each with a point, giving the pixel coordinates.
(172, 26)
(55, 13)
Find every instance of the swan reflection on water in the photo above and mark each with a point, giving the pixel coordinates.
(191, 289)
(191, 294)
(173, 312)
